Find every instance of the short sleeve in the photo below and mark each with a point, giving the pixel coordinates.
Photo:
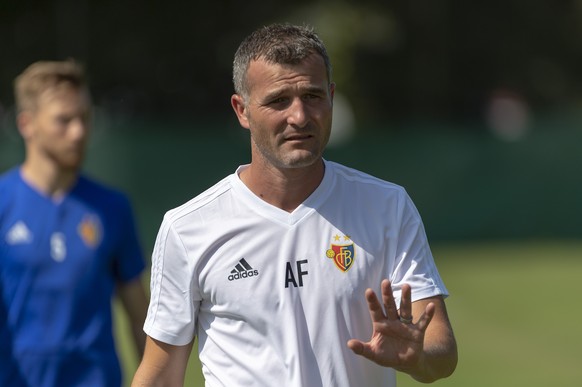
(414, 264)
(172, 311)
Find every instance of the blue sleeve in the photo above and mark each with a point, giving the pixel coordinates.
(129, 261)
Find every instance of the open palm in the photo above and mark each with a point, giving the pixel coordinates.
(396, 342)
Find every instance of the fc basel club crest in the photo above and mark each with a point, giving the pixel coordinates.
(90, 230)
(343, 255)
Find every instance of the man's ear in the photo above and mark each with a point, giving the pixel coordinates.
(331, 91)
(24, 123)
(239, 106)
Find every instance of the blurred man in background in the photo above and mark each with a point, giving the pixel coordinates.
(67, 245)
(277, 267)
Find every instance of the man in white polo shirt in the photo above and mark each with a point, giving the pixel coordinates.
(277, 267)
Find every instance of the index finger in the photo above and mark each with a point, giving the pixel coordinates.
(376, 311)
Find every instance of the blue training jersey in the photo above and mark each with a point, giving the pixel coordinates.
(59, 265)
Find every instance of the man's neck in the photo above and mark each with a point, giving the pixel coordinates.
(48, 178)
(283, 188)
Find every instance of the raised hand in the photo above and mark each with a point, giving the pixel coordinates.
(397, 341)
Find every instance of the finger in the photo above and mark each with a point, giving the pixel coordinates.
(360, 348)
(406, 302)
(376, 311)
(356, 345)
(426, 317)
(388, 300)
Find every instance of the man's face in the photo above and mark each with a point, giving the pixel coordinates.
(288, 111)
(57, 130)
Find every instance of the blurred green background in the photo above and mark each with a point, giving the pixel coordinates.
(475, 107)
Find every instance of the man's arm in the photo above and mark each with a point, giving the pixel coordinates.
(439, 356)
(134, 300)
(162, 365)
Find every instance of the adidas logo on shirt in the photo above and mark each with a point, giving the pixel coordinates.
(19, 234)
(242, 270)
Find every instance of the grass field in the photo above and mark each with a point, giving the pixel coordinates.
(515, 309)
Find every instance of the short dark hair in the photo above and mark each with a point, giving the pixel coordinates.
(276, 43)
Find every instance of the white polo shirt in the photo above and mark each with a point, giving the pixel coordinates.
(274, 296)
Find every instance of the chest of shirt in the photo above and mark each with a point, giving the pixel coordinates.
(57, 244)
(269, 267)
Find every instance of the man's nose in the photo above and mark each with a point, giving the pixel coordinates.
(78, 129)
(297, 113)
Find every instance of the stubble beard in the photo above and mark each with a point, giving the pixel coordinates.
(281, 158)
(67, 160)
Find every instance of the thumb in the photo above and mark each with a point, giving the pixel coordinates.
(356, 346)
(362, 349)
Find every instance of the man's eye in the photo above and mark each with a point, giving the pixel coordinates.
(278, 103)
(312, 96)
(62, 120)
